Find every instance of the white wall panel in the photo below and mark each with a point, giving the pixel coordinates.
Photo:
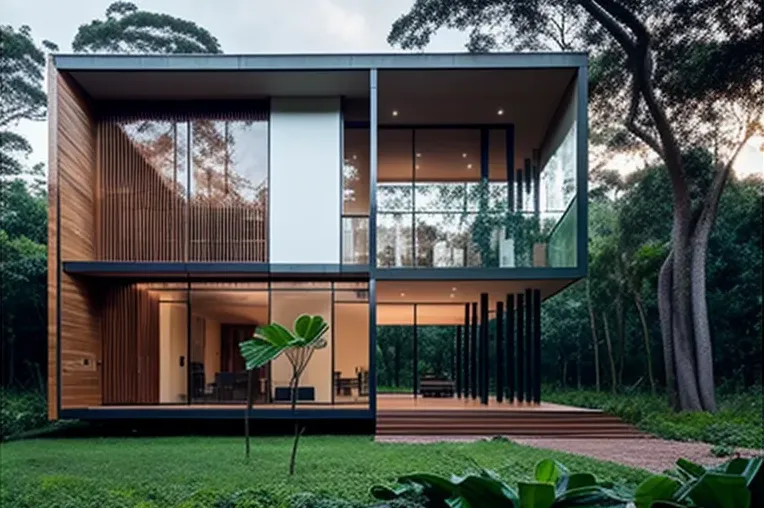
(305, 182)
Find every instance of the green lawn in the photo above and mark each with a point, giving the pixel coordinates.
(210, 471)
(737, 423)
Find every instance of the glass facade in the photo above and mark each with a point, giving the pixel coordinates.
(190, 333)
(185, 188)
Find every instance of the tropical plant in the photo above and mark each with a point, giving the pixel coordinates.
(553, 485)
(268, 343)
(737, 483)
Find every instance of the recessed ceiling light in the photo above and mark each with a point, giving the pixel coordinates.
(464, 155)
(500, 111)
(395, 112)
(451, 295)
(453, 289)
(355, 156)
(469, 166)
(403, 294)
(418, 154)
(417, 166)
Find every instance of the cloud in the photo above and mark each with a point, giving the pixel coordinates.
(339, 22)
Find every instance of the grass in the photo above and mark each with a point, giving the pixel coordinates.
(737, 423)
(211, 471)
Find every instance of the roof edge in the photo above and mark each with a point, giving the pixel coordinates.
(312, 62)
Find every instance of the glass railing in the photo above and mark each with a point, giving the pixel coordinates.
(562, 240)
(463, 239)
(355, 240)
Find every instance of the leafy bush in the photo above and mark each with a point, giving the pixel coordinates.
(737, 483)
(21, 412)
(737, 423)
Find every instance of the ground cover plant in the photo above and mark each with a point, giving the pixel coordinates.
(211, 471)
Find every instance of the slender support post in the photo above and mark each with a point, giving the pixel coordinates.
(415, 372)
(499, 351)
(484, 369)
(537, 341)
(458, 362)
(520, 348)
(530, 367)
(473, 353)
(511, 367)
(466, 353)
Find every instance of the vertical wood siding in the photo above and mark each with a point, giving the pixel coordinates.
(73, 179)
(130, 332)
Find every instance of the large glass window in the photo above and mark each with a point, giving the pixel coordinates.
(355, 197)
(190, 188)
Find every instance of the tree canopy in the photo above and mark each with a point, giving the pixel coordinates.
(127, 29)
(22, 69)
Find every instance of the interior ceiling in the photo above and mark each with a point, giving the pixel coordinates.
(395, 299)
(527, 98)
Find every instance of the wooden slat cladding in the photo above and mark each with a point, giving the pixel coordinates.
(72, 180)
(130, 331)
(53, 261)
(188, 190)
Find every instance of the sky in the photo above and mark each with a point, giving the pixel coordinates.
(260, 26)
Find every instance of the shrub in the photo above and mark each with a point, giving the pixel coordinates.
(21, 411)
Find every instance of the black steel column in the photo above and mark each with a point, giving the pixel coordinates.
(415, 372)
(458, 362)
(466, 353)
(530, 367)
(511, 367)
(484, 369)
(537, 343)
(520, 348)
(473, 352)
(499, 351)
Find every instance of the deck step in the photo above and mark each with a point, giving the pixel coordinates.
(464, 422)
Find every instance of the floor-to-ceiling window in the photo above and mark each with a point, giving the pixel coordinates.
(183, 185)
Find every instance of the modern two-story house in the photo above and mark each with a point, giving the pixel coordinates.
(195, 197)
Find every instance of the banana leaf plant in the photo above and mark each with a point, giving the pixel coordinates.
(298, 345)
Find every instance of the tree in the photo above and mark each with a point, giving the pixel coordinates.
(129, 30)
(298, 345)
(695, 72)
(22, 70)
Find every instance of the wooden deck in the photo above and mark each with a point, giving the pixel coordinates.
(403, 415)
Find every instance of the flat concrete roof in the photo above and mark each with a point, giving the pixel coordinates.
(199, 62)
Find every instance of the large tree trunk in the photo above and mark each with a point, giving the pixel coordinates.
(703, 345)
(664, 313)
(609, 344)
(646, 337)
(595, 342)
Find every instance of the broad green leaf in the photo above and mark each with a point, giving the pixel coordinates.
(655, 488)
(485, 490)
(549, 471)
(719, 490)
(388, 493)
(691, 468)
(536, 495)
(593, 495)
(747, 468)
(574, 481)
(433, 486)
(301, 325)
(257, 352)
(275, 334)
